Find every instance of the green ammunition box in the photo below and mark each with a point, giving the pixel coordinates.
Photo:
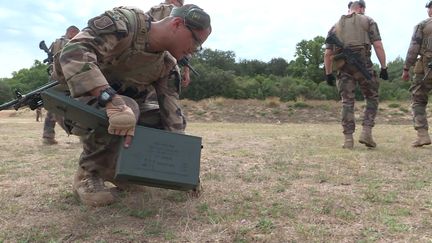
(74, 112)
(161, 159)
(156, 158)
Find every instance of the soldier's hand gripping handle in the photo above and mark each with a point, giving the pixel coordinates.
(121, 118)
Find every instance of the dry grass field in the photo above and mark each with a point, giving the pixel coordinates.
(276, 181)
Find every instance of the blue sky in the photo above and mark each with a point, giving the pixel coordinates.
(252, 29)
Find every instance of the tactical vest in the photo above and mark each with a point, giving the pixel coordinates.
(135, 67)
(352, 30)
(426, 45)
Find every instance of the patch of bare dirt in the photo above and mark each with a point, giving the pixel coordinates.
(274, 111)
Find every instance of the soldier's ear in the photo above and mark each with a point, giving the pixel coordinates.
(177, 22)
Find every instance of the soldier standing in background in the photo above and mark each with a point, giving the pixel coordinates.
(48, 135)
(38, 114)
(419, 55)
(123, 48)
(357, 32)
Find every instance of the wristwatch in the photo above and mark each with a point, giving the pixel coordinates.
(106, 96)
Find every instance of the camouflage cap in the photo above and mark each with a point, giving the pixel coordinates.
(194, 16)
(428, 4)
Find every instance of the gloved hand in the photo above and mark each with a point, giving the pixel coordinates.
(383, 74)
(331, 79)
(121, 118)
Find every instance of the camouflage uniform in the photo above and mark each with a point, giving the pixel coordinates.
(419, 55)
(357, 32)
(38, 114)
(48, 134)
(112, 50)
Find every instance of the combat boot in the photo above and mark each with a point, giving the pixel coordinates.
(91, 189)
(349, 141)
(366, 137)
(422, 138)
(49, 141)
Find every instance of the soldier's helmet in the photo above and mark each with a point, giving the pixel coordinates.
(361, 3)
(194, 16)
(428, 4)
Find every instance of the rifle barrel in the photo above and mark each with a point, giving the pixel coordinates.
(21, 101)
(8, 104)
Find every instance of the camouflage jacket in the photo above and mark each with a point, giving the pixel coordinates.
(112, 49)
(421, 42)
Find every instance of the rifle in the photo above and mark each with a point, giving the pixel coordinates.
(44, 47)
(185, 62)
(32, 99)
(350, 56)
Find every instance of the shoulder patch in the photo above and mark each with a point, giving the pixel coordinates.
(103, 22)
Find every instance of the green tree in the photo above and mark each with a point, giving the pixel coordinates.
(395, 68)
(309, 60)
(212, 82)
(224, 60)
(5, 91)
(252, 67)
(28, 79)
(277, 66)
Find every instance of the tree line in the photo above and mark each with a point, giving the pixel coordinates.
(221, 75)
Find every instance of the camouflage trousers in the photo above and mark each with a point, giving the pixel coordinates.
(347, 79)
(38, 114)
(49, 125)
(419, 99)
(101, 150)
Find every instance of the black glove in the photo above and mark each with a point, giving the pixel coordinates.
(383, 74)
(331, 79)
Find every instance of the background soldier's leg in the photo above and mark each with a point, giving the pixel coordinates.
(419, 99)
(369, 89)
(48, 135)
(346, 88)
(171, 114)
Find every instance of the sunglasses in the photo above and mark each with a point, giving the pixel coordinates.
(197, 41)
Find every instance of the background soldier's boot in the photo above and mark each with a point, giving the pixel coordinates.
(366, 137)
(49, 141)
(349, 141)
(91, 189)
(422, 138)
